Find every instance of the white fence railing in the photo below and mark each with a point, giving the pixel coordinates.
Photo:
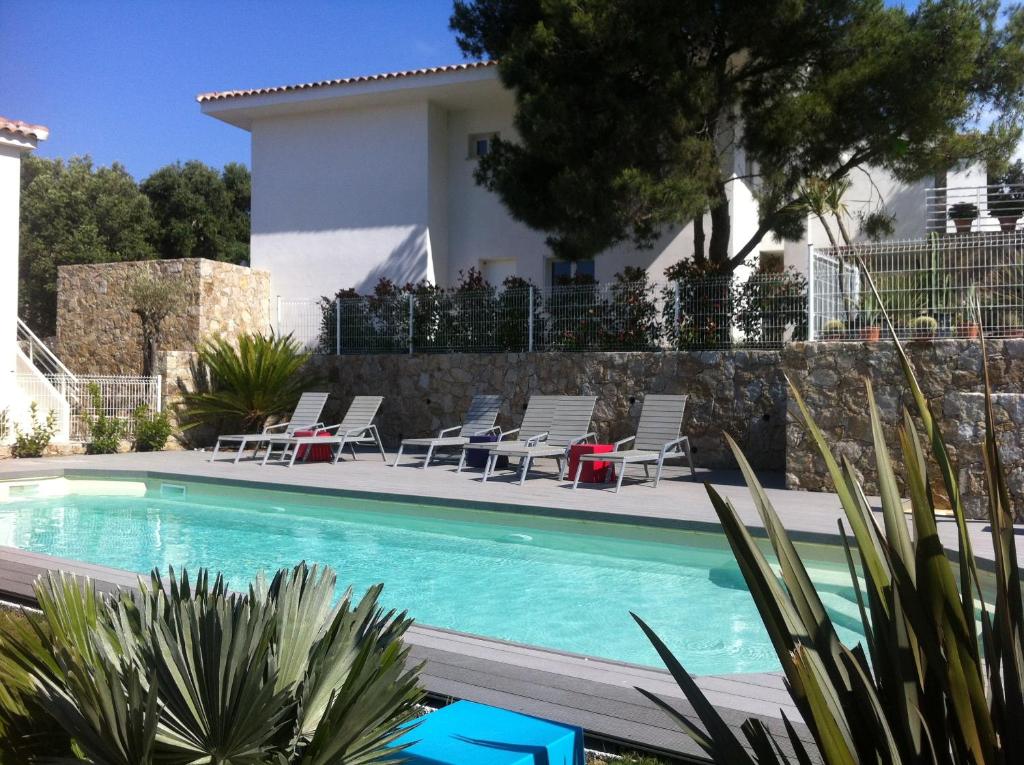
(966, 209)
(762, 311)
(928, 287)
(70, 398)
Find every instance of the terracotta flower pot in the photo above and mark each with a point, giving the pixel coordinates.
(969, 330)
(963, 225)
(871, 334)
(1008, 223)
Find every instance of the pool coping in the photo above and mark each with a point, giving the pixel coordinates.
(595, 693)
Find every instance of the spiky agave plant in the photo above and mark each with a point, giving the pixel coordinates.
(188, 672)
(251, 379)
(940, 676)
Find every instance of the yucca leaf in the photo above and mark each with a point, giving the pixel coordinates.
(720, 742)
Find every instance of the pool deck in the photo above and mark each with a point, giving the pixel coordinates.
(595, 694)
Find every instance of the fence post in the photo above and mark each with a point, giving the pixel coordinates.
(159, 393)
(412, 304)
(277, 328)
(810, 292)
(677, 308)
(529, 330)
(337, 326)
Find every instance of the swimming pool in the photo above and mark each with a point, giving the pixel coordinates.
(555, 583)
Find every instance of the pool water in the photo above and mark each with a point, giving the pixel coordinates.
(562, 584)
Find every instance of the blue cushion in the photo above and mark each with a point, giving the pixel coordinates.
(466, 733)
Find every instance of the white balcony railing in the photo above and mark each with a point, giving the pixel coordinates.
(974, 209)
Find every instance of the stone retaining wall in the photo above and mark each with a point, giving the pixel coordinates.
(830, 376)
(98, 334)
(741, 392)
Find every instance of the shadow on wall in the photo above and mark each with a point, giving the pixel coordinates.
(407, 262)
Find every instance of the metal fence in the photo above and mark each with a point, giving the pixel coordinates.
(763, 311)
(70, 398)
(928, 287)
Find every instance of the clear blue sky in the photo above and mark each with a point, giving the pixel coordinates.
(118, 80)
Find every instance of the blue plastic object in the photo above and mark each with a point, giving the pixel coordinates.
(467, 733)
(477, 458)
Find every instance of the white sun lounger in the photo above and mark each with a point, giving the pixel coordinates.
(305, 417)
(570, 425)
(657, 439)
(479, 421)
(534, 428)
(355, 429)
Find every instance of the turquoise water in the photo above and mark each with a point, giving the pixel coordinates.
(559, 584)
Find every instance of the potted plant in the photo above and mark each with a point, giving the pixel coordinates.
(923, 327)
(963, 215)
(1014, 325)
(834, 330)
(1006, 197)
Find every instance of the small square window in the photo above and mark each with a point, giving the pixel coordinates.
(480, 144)
(571, 271)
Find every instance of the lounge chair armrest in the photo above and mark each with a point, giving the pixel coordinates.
(493, 430)
(622, 441)
(534, 440)
(272, 428)
(441, 432)
(503, 433)
(671, 445)
(584, 438)
(321, 428)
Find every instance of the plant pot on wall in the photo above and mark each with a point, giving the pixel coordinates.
(1008, 224)
(834, 330)
(968, 330)
(872, 334)
(963, 215)
(924, 328)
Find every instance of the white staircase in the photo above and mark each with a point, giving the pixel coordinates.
(42, 378)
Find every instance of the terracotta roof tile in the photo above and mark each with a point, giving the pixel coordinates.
(225, 94)
(38, 132)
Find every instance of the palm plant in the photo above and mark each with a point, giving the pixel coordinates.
(940, 676)
(184, 672)
(251, 380)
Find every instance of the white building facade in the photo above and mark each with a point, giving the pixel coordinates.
(369, 177)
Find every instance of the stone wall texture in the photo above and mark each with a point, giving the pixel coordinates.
(98, 334)
(831, 376)
(740, 392)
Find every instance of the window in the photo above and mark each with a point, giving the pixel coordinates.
(480, 144)
(565, 271)
(771, 262)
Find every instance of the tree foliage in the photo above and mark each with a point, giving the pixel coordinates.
(73, 212)
(634, 116)
(199, 212)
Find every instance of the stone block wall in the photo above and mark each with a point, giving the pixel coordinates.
(741, 392)
(98, 334)
(830, 376)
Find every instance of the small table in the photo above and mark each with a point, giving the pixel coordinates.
(316, 453)
(467, 733)
(477, 458)
(593, 472)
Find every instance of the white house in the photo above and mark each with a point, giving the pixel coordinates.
(364, 177)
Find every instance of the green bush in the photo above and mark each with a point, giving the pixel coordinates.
(34, 443)
(184, 671)
(251, 381)
(152, 429)
(105, 433)
(939, 677)
(5, 423)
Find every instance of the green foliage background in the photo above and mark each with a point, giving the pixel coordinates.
(73, 212)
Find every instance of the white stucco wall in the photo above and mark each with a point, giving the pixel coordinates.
(340, 199)
(10, 190)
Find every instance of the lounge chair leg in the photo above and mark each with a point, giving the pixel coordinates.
(526, 469)
(352, 448)
(487, 466)
(657, 473)
(266, 454)
(295, 453)
(337, 453)
(398, 456)
(576, 479)
(216, 448)
(462, 461)
(689, 458)
(238, 454)
(647, 471)
(561, 468)
(622, 474)
(380, 444)
(430, 453)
